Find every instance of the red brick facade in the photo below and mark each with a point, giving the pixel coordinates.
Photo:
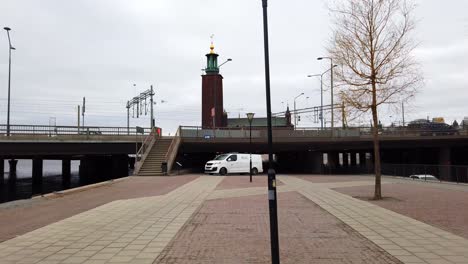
(212, 93)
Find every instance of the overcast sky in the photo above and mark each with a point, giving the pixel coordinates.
(100, 48)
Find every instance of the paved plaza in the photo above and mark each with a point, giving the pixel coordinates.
(215, 219)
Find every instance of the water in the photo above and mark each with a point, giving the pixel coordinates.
(52, 179)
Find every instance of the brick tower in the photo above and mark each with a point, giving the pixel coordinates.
(212, 93)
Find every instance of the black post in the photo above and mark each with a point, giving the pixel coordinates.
(66, 173)
(250, 145)
(37, 170)
(10, 48)
(128, 117)
(275, 258)
(2, 171)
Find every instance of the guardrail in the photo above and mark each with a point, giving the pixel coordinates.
(68, 130)
(243, 132)
(448, 173)
(171, 153)
(142, 153)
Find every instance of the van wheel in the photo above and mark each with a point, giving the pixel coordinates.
(223, 171)
(254, 171)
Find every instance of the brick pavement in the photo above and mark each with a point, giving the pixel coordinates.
(35, 213)
(407, 239)
(433, 204)
(137, 230)
(236, 182)
(236, 230)
(128, 231)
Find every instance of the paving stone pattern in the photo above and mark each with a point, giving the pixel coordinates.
(126, 231)
(429, 203)
(138, 230)
(409, 240)
(236, 230)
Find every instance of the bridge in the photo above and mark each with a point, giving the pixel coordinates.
(312, 150)
(104, 151)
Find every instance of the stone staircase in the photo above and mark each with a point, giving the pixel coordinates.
(157, 155)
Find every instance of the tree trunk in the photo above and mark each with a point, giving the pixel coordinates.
(375, 139)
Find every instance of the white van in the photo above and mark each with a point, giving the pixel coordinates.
(234, 163)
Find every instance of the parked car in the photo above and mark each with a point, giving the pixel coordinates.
(423, 177)
(428, 128)
(234, 163)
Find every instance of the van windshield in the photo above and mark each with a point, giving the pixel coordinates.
(221, 157)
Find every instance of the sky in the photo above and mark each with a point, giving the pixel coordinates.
(98, 49)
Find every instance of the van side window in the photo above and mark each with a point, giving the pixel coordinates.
(232, 158)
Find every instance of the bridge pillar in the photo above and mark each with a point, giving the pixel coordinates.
(313, 162)
(2, 171)
(353, 163)
(37, 176)
(66, 173)
(12, 172)
(362, 162)
(444, 164)
(84, 170)
(353, 159)
(370, 159)
(119, 166)
(333, 161)
(345, 159)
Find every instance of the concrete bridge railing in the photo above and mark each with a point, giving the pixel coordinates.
(53, 131)
(358, 132)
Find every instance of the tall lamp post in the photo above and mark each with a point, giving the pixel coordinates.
(272, 201)
(321, 92)
(214, 98)
(331, 88)
(9, 77)
(295, 113)
(250, 117)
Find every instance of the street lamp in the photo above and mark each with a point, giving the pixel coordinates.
(272, 201)
(321, 92)
(250, 117)
(295, 112)
(10, 48)
(331, 88)
(214, 93)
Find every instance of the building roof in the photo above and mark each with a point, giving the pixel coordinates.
(257, 122)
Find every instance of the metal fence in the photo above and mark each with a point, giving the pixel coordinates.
(243, 132)
(449, 173)
(69, 130)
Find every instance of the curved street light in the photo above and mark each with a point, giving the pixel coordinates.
(295, 112)
(214, 93)
(321, 92)
(331, 88)
(10, 48)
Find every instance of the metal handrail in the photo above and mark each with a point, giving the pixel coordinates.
(144, 150)
(68, 130)
(357, 132)
(170, 155)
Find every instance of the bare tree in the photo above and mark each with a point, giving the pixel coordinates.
(372, 43)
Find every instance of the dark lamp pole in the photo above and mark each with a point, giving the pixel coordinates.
(321, 92)
(295, 112)
(214, 98)
(272, 201)
(250, 117)
(331, 89)
(9, 78)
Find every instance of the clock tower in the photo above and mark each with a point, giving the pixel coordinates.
(212, 92)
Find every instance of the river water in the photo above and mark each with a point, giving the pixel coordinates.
(52, 179)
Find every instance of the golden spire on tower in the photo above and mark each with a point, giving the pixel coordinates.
(212, 45)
